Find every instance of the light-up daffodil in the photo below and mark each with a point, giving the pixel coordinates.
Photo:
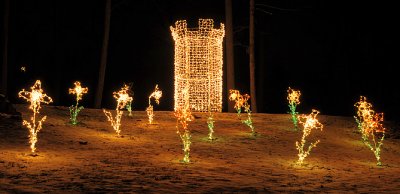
(129, 104)
(35, 97)
(309, 123)
(294, 100)
(156, 95)
(123, 99)
(241, 101)
(74, 110)
(370, 126)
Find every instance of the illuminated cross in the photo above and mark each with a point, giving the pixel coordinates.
(78, 90)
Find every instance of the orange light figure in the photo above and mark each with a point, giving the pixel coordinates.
(123, 99)
(309, 122)
(35, 97)
(370, 126)
(156, 95)
(241, 101)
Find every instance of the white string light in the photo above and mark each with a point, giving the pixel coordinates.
(198, 62)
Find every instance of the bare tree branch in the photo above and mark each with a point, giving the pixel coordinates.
(277, 8)
(258, 9)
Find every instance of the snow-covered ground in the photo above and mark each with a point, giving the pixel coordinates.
(90, 157)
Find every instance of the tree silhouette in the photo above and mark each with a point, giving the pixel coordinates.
(103, 60)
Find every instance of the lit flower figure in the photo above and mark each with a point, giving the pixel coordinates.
(309, 122)
(184, 115)
(74, 110)
(294, 100)
(372, 131)
(123, 99)
(156, 95)
(241, 101)
(129, 104)
(35, 97)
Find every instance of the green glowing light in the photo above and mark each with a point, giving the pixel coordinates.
(210, 124)
(186, 145)
(129, 108)
(73, 112)
(130, 93)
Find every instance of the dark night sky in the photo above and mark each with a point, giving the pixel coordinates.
(332, 51)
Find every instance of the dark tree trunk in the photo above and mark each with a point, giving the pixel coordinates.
(103, 61)
(230, 65)
(5, 49)
(252, 61)
(260, 73)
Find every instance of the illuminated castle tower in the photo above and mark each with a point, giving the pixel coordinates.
(198, 65)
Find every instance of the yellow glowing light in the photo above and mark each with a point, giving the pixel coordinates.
(184, 115)
(23, 69)
(78, 90)
(198, 63)
(156, 95)
(372, 131)
(35, 97)
(123, 99)
(240, 100)
(293, 96)
(309, 122)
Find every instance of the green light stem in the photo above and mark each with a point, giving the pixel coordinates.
(292, 107)
(74, 111)
(239, 110)
(302, 153)
(129, 108)
(210, 123)
(185, 137)
(248, 121)
(376, 146)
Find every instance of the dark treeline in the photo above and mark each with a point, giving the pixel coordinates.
(332, 51)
